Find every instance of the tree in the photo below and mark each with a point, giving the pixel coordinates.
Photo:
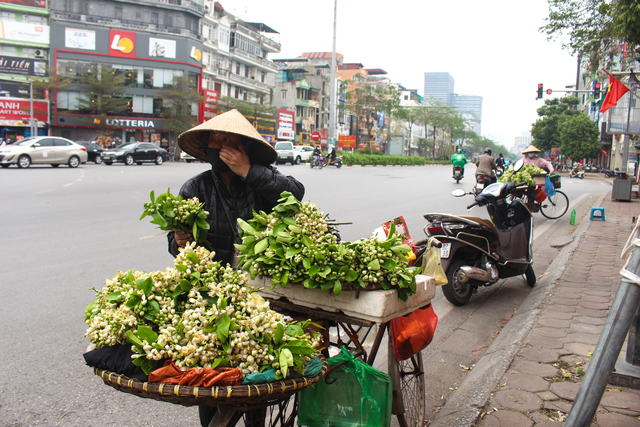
(102, 96)
(553, 112)
(411, 115)
(248, 109)
(363, 100)
(434, 115)
(47, 87)
(389, 97)
(180, 107)
(594, 27)
(580, 137)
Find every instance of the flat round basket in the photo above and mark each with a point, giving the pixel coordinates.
(242, 397)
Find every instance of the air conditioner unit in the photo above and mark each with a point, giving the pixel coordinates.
(38, 53)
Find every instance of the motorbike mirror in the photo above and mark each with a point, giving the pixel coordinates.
(458, 192)
(518, 165)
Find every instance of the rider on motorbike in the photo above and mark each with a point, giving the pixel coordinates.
(332, 155)
(316, 154)
(486, 165)
(460, 160)
(531, 158)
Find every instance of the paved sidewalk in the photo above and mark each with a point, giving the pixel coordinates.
(547, 343)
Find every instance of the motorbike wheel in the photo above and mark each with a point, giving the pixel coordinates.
(457, 293)
(457, 180)
(582, 176)
(530, 275)
(321, 165)
(339, 165)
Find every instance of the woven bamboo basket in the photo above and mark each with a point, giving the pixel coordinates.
(242, 397)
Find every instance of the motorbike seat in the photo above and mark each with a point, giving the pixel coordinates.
(481, 221)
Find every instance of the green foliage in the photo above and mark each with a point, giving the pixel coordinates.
(524, 175)
(580, 137)
(381, 159)
(554, 111)
(177, 104)
(103, 93)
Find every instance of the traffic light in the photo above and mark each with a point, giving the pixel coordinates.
(539, 91)
(596, 90)
(549, 91)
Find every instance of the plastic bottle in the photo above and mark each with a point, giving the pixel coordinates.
(573, 217)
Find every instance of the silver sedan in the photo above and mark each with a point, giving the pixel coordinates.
(51, 150)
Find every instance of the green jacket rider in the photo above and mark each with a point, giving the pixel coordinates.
(458, 159)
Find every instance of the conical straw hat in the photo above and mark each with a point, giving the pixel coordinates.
(195, 139)
(532, 149)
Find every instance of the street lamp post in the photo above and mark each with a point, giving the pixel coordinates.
(332, 97)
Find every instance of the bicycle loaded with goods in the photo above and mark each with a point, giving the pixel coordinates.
(210, 335)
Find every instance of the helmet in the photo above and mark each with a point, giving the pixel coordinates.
(487, 151)
(500, 154)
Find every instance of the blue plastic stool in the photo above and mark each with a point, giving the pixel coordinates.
(594, 211)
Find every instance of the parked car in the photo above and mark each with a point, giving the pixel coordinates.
(52, 150)
(186, 157)
(302, 153)
(94, 151)
(285, 152)
(135, 152)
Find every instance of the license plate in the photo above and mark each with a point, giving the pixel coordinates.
(445, 250)
(479, 186)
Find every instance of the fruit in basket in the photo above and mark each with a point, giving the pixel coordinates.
(294, 244)
(171, 213)
(525, 174)
(198, 314)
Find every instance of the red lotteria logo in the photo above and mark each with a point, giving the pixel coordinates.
(122, 43)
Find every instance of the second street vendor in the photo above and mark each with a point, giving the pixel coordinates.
(240, 181)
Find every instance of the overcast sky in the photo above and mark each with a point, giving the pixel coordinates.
(492, 48)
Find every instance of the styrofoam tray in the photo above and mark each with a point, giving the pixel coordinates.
(378, 306)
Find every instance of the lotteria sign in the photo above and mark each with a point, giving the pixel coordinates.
(127, 123)
(118, 122)
(122, 43)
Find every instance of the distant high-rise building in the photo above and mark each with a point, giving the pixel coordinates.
(468, 104)
(438, 86)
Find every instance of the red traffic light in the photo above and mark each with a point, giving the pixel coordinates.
(539, 85)
(549, 91)
(597, 85)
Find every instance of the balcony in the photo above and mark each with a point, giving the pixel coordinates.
(302, 102)
(256, 59)
(247, 81)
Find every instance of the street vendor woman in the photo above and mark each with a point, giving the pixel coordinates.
(240, 181)
(530, 156)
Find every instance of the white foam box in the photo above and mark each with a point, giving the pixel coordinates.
(539, 179)
(378, 306)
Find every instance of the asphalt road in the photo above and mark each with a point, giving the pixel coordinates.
(64, 231)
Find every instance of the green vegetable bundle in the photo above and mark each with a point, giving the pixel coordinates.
(525, 174)
(292, 244)
(173, 213)
(198, 314)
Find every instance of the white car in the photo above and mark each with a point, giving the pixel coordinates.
(285, 152)
(50, 150)
(186, 157)
(302, 153)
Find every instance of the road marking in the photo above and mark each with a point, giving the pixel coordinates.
(68, 185)
(42, 192)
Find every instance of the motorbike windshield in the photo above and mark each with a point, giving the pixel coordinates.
(494, 189)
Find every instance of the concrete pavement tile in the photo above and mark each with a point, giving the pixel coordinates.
(539, 417)
(614, 400)
(547, 395)
(578, 285)
(506, 418)
(593, 298)
(599, 293)
(559, 405)
(527, 382)
(518, 400)
(565, 293)
(550, 332)
(586, 328)
(535, 368)
(579, 348)
(584, 338)
(550, 424)
(554, 323)
(560, 308)
(538, 354)
(593, 313)
(565, 390)
(558, 314)
(594, 305)
(590, 320)
(569, 302)
(612, 419)
(546, 342)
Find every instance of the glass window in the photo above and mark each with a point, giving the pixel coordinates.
(34, 19)
(46, 142)
(9, 50)
(7, 16)
(61, 143)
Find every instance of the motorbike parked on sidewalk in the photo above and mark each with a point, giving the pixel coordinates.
(457, 174)
(317, 162)
(576, 173)
(337, 162)
(477, 252)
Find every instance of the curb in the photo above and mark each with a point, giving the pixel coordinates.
(464, 406)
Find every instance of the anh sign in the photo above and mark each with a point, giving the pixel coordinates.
(20, 110)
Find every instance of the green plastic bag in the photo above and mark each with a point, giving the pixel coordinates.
(358, 396)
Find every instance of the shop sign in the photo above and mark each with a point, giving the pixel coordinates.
(161, 48)
(79, 39)
(119, 122)
(285, 134)
(24, 32)
(32, 3)
(209, 105)
(347, 141)
(22, 66)
(263, 126)
(21, 110)
(15, 90)
(286, 120)
(122, 43)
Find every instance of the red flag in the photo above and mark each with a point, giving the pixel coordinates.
(615, 92)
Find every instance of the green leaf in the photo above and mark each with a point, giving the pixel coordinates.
(193, 257)
(300, 349)
(310, 283)
(289, 221)
(284, 361)
(260, 246)
(115, 297)
(326, 286)
(337, 287)
(294, 330)
(314, 270)
(134, 339)
(307, 241)
(389, 264)
(223, 327)
(306, 263)
(277, 338)
(147, 334)
(149, 366)
(169, 210)
(374, 265)
(152, 196)
(295, 229)
(133, 300)
(138, 361)
(351, 276)
(145, 285)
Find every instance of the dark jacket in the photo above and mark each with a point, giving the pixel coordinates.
(260, 190)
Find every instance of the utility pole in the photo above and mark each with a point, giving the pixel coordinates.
(332, 97)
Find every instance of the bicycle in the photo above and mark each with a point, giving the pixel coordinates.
(552, 207)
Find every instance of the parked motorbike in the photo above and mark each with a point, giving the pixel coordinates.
(477, 252)
(609, 173)
(318, 162)
(482, 180)
(499, 171)
(337, 162)
(576, 173)
(457, 173)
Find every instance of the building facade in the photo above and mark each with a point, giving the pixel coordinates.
(438, 86)
(150, 44)
(24, 49)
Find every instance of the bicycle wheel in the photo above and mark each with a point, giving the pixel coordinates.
(407, 379)
(555, 206)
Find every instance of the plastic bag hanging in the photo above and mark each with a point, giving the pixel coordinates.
(432, 265)
(549, 188)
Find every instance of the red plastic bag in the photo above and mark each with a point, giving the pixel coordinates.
(540, 195)
(413, 332)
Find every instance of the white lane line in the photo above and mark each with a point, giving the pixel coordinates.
(42, 192)
(68, 185)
